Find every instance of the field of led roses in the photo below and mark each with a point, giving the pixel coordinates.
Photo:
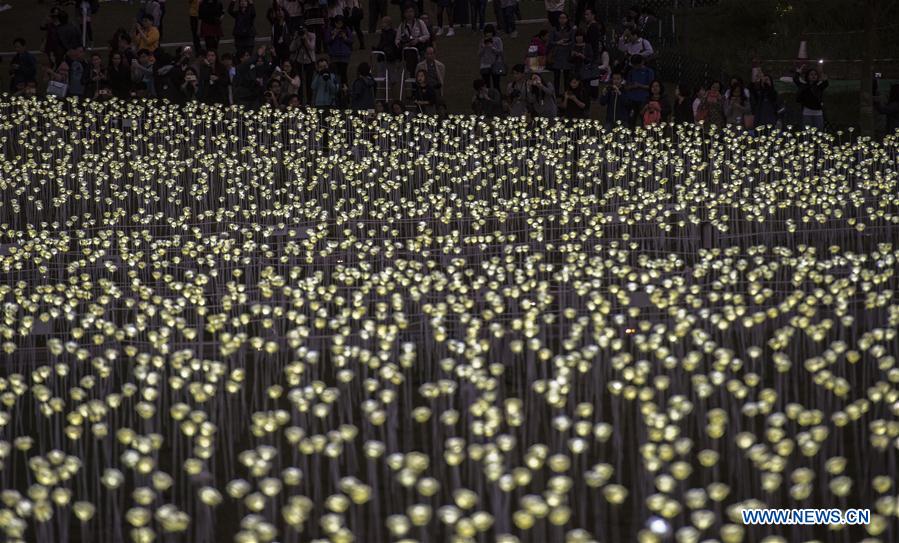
(220, 325)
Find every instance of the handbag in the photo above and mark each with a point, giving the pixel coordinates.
(591, 71)
(499, 66)
(56, 88)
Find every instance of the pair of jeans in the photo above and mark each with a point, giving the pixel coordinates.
(813, 121)
(490, 78)
(195, 32)
(509, 15)
(377, 9)
(478, 13)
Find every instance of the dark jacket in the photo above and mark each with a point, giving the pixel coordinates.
(340, 46)
(69, 37)
(119, 78)
(424, 93)
(571, 110)
(244, 21)
(891, 110)
(246, 88)
(617, 107)
(683, 112)
(765, 104)
(362, 93)
(27, 68)
(811, 95)
(211, 11)
(387, 44)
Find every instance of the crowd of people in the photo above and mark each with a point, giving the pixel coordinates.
(305, 62)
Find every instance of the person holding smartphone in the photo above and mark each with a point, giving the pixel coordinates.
(617, 107)
(190, 87)
(811, 83)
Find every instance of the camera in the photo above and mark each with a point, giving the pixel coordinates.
(190, 78)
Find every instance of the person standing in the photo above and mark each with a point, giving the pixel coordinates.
(193, 12)
(765, 101)
(711, 106)
(146, 36)
(325, 87)
(617, 108)
(244, 14)
(435, 69)
(631, 43)
(280, 32)
(486, 101)
(118, 74)
(683, 105)
(657, 95)
(423, 95)
(490, 58)
(737, 108)
(22, 67)
(581, 55)
(509, 11)
(52, 46)
(362, 92)
(561, 40)
(445, 7)
(377, 10)
(353, 15)
(516, 92)
(541, 98)
(811, 84)
(890, 109)
(78, 72)
(152, 9)
(593, 34)
(161, 16)
(211, 13)
(477, 12)
(339, 42)
(576, 100)
(247, 87)
(97, 76)
(554, 10)
(69, 37)
(412, 32)
(639, 78)
(302, 50)
(580, 8)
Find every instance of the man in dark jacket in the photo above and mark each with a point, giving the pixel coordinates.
(246, 86)
(617, 107)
